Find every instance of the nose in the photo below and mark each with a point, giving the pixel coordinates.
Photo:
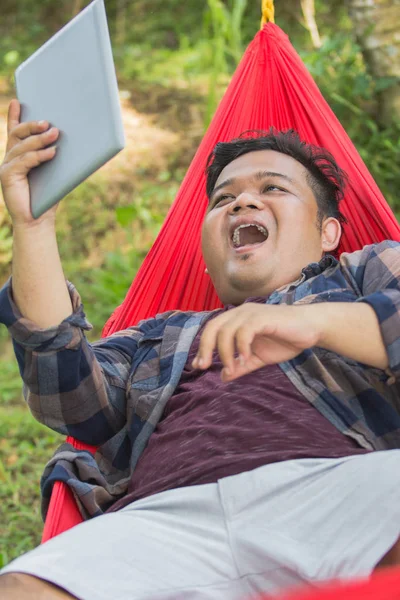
(246, 200)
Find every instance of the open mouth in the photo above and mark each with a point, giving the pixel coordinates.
(248, 235)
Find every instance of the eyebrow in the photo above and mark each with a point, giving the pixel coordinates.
(257, 176)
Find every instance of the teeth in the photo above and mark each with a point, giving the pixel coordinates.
(235, 237)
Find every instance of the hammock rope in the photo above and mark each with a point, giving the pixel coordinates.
(268, 12)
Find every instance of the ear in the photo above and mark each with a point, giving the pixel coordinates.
(330, 234)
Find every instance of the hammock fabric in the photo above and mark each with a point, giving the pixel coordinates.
(383, 585)
(271, 87)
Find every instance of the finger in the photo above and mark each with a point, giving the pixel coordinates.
(207, 343)
(208, 338)
(25, 130)
(14, 112)
(244, 338)
(32, 143)
(237, 334)
(22, 164)
(225, 341)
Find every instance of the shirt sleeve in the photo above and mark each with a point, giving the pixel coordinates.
(375, 274)
(74, 387)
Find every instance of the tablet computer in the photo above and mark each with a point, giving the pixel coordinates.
(71, 83)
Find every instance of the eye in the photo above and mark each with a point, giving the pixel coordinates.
(270, 187)
(221, 199)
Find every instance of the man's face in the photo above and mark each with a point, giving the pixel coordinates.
(270, 189)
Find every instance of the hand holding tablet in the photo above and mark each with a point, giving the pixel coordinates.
(70, 83)
(28, 146)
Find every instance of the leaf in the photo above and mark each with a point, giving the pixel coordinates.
(11, 58)
(346, 103)
(3, 558)
(164, 176)
(126, 214)
(383, 83)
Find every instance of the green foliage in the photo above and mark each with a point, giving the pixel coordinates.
(103, 289)
(25, 446)
(145, 208)
(11, 58)
(340, 73)
(5, 245)
(163, 65)
(226, 42)
(10, 381)
(226, 30)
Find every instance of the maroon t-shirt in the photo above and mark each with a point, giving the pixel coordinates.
(212, 429)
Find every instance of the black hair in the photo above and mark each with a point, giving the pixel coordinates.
(326, 179)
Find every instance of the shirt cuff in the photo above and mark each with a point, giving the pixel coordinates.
(68, 334)
(386, 304)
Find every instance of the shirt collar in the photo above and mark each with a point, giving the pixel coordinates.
(314, 269)
(311, 270)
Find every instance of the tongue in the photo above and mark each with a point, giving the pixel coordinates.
(250, 235)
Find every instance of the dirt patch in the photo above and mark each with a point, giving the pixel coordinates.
(147, 143)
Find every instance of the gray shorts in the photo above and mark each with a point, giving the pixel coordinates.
(278, 526)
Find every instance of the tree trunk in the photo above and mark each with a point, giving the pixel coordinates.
(376, 26)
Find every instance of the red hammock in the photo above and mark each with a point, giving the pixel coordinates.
(271, 87)
(383, 585)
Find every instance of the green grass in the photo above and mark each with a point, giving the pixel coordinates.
(25, 446)
(10, 381)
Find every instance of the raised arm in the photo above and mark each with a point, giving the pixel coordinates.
(71, 386)
(39, 287)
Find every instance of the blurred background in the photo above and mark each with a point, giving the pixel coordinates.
(174, 60)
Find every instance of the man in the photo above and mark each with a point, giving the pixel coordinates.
(246, 449)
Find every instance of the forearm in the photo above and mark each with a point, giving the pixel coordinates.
(39, 286)
(351, 329)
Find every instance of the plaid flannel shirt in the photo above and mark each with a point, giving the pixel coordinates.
(113, 392)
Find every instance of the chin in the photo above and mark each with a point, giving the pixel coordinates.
(238, 291)
(247, 281)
